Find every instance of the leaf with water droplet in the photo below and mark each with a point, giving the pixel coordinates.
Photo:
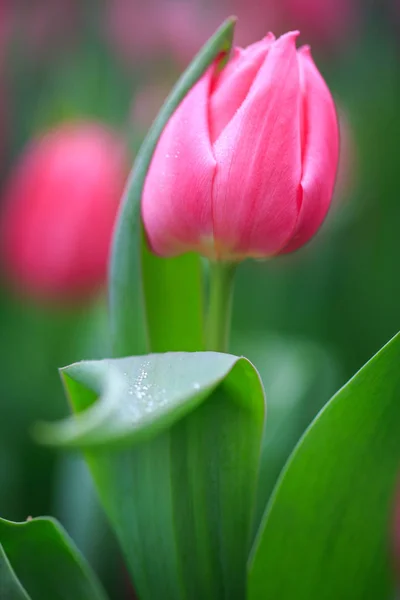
(175, 463)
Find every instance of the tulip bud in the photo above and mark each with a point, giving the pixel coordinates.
(60, 205)
(246, 165)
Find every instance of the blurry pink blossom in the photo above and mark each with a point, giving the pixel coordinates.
(60, 205)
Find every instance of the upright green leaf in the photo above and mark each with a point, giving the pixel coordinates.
(299, 378)
(125, 292)
(326, 532)
(39, 561)
(173, 443)
(173, 299)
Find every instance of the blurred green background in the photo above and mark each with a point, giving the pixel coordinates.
(308, 321)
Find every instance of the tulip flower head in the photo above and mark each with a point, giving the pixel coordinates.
(246, 166)
(60, 205)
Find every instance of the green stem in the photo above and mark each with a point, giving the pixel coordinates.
(220, 305)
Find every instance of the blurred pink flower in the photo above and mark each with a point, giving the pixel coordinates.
(60, 204)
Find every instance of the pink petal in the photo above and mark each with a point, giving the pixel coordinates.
(256, 188)
(176, 203)
(320, 152)
(233, 84)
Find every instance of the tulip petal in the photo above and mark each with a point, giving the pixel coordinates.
(233, 83)
(176, 202)
(320, 152)
(256, 187)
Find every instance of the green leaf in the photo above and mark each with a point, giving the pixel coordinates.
(39, 561)
(299, 378)
(128, 323)
(173, 443)
(176, 322)
(10, 587)
(326, 532)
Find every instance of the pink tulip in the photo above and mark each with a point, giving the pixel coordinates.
(246, 166)
(60, 206)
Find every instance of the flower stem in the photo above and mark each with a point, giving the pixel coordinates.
(220, 305)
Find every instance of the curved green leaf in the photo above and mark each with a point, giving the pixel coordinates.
(180, 491)
(40, 561)
(127, 400)
(326, 532)
(125, 293)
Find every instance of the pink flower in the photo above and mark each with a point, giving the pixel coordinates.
(60, 205)
(247, 164)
